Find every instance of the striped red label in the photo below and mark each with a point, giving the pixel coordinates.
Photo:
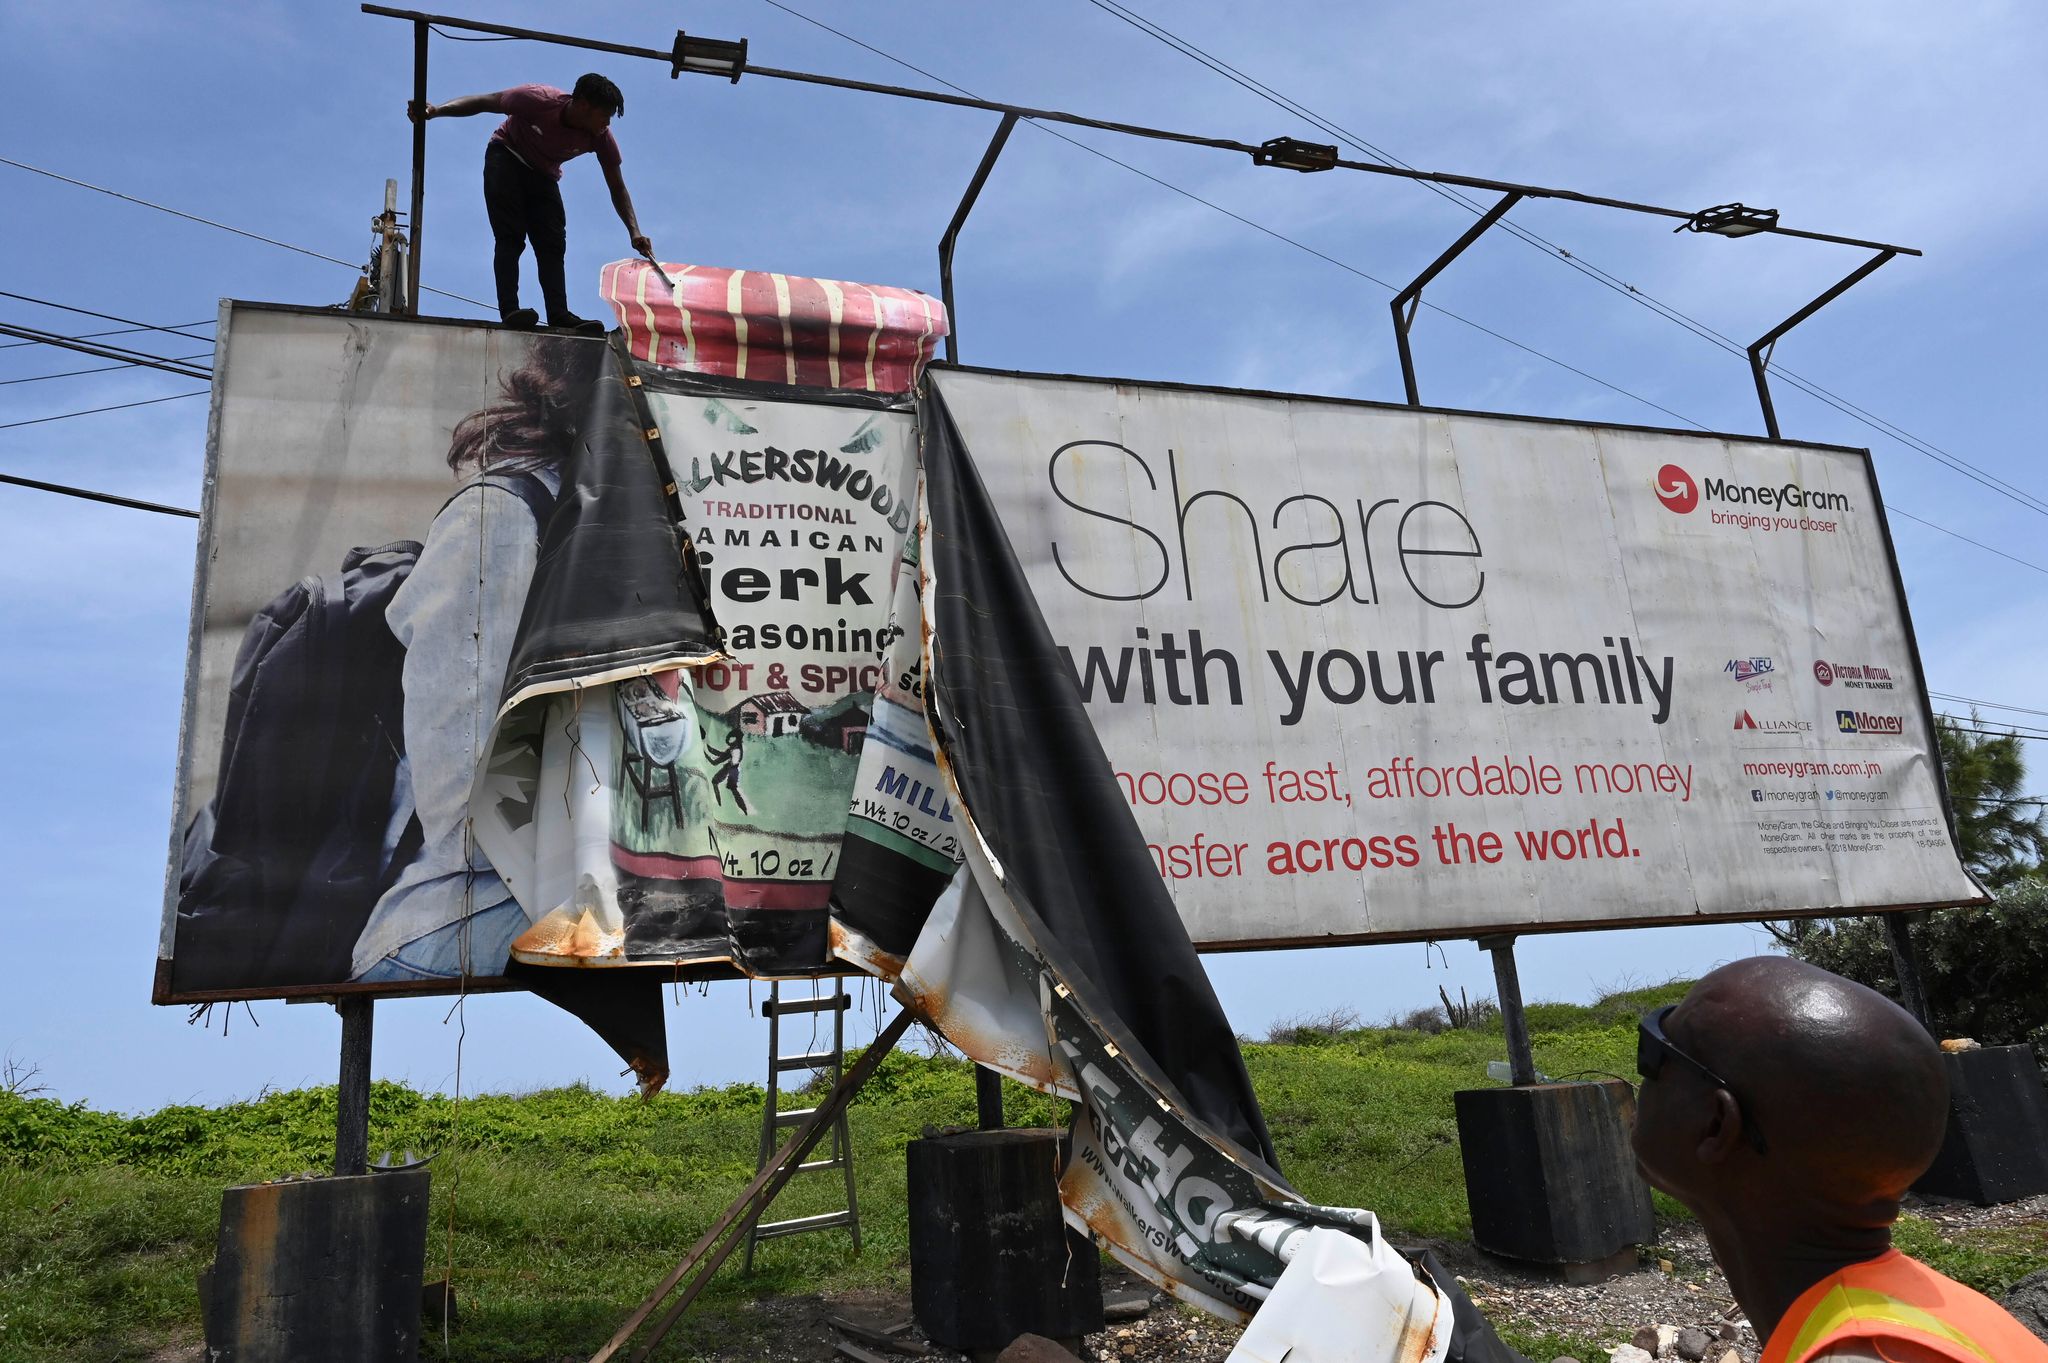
(753, 324)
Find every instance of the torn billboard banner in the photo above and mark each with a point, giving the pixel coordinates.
(347, 651)
(1380, 673)
(701, 814)
(345, 817)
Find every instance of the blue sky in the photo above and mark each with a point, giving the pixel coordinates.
(1896, 121)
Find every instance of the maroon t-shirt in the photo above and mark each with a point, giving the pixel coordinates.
(534, 131)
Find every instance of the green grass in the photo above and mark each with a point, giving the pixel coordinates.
(569, 1204)
(1990, 1260)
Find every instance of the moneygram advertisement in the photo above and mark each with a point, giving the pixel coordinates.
(1370, 672)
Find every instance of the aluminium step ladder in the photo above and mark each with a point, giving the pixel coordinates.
(777, 1120)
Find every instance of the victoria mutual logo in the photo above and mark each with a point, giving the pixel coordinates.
(1677, 490)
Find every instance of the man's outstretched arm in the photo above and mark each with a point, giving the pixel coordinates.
(461, 107)
(622, 202)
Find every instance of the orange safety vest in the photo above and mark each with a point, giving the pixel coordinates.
(1894, 1298)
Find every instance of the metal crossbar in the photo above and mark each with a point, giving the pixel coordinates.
(775, 1117)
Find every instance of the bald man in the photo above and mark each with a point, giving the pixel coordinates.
(1791, 1109)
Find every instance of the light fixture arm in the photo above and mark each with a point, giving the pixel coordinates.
(952, 237)
(1409, 299)
(1760, 353)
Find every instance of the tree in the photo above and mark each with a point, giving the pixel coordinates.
(1985, 970)
(2000, 834)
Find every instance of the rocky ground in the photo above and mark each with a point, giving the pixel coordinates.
(1676, 1287)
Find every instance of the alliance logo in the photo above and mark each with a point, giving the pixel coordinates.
(1863, 722)
(1745, 720)
(1677, 490)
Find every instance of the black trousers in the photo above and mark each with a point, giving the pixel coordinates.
(525, 205)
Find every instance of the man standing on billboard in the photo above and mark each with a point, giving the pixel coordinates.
(543, 128)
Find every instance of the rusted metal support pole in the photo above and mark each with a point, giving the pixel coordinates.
(988, 1098)
(419, 160)
(1898, 935)
(1760, 353)
(1409, 299)
(352, 1100)
(952, 237)
(1507, 984)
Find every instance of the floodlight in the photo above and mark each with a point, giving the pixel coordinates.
(711, 56)
(1730, 220)
(1290, 153)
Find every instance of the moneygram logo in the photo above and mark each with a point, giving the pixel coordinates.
(1761, 508)
(1863, 722)
(1676, 489)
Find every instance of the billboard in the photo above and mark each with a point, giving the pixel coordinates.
(1373, 673)
(516, 651)
(512, 648)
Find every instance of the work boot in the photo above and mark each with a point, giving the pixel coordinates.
(522, 319)
(569, 321)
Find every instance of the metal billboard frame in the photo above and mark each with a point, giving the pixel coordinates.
(729, 62)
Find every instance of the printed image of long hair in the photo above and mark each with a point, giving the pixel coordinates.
(532, 424)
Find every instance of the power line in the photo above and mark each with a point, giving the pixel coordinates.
(97, 369)
(87, 494)
(1239, 217)
(463, 37)
(209, 222)
(1987, 704)
(117, 331)
(94, 411)
(1320, 255)
(106, 352)
(103, 316)
(2010, 731)
(1926, 449)
(1964, 538)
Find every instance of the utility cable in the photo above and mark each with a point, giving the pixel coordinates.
(103, 316)
(1927, 449)
(465, 37)
(117, 331)
(95, 411)
(96, 369)
(106, 352)
(1987, 704)
(1442, 311)
(209, 222)
(88, 494)
(1898, 511)
(1255, 226)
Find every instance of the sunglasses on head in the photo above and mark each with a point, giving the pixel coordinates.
(1653, 1048)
